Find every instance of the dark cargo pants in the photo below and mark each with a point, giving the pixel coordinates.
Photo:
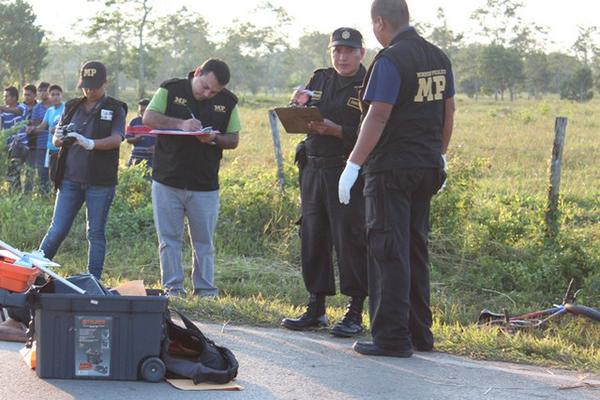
(326, 225)
(397, 211)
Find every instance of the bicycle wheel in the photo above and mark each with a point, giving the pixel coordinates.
(589, 312)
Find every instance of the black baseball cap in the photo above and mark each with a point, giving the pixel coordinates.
(92, 75)
(346, 37)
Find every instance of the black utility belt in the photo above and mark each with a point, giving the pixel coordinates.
(326, 162)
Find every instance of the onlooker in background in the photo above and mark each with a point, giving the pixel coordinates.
(12, 113)
(86, 170)
(49, 122)
(186, 170)
(29, 100)
(37, 141)
(143, 146)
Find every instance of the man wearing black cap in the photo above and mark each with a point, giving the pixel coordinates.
(86, 169)
(325, 224)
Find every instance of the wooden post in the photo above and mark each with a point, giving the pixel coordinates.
(552, 212)
(277, 145)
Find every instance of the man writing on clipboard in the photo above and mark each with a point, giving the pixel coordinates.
(185, 178)
(325, 223)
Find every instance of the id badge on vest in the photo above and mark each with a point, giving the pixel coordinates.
(106, 115)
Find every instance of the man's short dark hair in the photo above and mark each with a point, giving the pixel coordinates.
(12, 92)
(393, 11)
(55, 87)
(31, 88)
(143, 102)
(217, 67)
(43, 85)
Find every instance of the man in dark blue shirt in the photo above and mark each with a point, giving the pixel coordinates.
(12, 113)
(408, 111)
(143, 146)
(38, 142)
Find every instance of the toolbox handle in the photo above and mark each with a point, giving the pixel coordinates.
(8, 299)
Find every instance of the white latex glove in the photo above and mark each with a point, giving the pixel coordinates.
(445, 159)
(347, 180)
(84, 142)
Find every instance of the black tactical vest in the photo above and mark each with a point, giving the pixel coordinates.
(103, 165)
(412, 137)
(184, 162)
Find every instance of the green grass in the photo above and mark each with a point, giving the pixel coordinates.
(489, 245)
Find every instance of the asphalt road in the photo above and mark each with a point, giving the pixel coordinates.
(277, 364)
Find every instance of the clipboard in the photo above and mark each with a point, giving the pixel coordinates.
(296, 119)
(146, 131)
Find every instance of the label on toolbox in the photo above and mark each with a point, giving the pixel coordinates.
(93, 336)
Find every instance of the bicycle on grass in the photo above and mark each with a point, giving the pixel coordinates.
(538, 318)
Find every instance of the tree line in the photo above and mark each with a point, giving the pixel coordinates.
(141, 49)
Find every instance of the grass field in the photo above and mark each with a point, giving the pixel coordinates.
(489, 245)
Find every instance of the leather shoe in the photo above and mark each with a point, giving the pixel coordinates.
(371, 349)
(349, 326)
(306, 321)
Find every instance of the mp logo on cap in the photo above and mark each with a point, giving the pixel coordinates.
(89, 72)
(346, 35)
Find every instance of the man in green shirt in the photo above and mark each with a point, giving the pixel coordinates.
(185, 177)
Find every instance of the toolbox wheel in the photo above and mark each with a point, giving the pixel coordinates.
(153, 369)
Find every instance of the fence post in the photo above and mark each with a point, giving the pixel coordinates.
(277, 145)
(552, 212)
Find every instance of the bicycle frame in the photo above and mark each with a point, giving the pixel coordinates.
(538, 318)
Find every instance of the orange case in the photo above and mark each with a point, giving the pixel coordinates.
(16, 278)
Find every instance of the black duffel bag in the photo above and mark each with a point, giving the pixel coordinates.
(187, 353)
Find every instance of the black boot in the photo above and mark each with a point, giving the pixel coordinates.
(351, 324)
(314, 317)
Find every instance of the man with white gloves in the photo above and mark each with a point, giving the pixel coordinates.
(89, 134)
(408, 109)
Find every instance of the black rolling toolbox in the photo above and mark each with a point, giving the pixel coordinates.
(99, 337)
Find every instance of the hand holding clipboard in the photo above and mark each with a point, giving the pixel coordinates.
(296, 119)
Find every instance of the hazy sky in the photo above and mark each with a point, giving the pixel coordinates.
(560, 17)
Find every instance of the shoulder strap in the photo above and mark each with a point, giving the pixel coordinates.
(190, 325)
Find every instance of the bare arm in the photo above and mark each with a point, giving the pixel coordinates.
(370, 131)
(227, 141)
(325, 127)
(134, 139)
(40, 128)
(450, 108)
(12, 110)
(108, 143)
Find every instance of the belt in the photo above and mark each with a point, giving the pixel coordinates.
(326, 162)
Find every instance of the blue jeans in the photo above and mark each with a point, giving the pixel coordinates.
(70, 198)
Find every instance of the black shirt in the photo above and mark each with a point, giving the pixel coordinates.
(337, 98)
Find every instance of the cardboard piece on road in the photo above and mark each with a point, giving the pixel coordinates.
(131, 288)
(296, 119)
(188, 384)
(29, 356)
